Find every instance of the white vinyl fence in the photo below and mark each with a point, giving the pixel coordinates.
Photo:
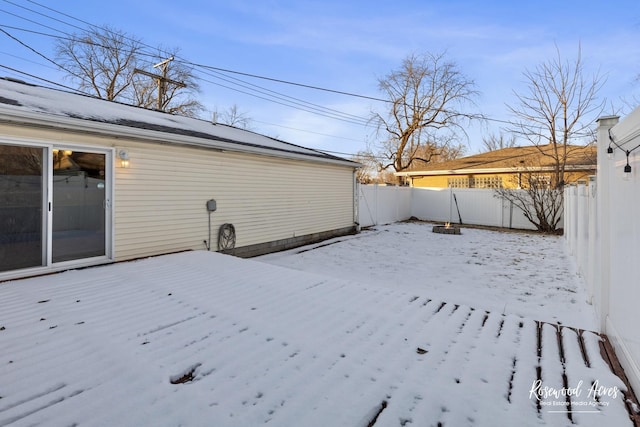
(603, 234)
(475, 206)
(386, 204)
(380, 204)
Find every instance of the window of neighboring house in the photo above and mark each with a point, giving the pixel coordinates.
(458, 182)
(487, 182)
(476, 182)
(540, 181)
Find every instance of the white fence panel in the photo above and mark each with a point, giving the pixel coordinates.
(478, 206)
(602, 230)
(474, 206)
(431, 204)
(379, 204)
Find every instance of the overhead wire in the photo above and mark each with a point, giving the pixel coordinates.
(41, 78)
(246, 87)
(307, 131)
(303, 105)
(282, 99)
(364, 121)
(339, 92)
(42, 14)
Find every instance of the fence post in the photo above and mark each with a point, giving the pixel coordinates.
(375, 203)
(604, 217)
(592, 251)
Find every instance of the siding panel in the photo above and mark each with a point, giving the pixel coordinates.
(160, 199)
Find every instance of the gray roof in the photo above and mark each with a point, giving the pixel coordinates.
(24, 103)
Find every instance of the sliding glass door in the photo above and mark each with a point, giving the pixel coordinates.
(22, 198)
(79, 204)
(54, 205)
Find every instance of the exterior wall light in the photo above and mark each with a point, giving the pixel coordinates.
(123, 155)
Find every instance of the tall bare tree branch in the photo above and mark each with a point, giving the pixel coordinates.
(555, 113)
(100, 61)
(428, 95)
(175, 99)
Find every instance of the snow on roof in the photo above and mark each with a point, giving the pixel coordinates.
(202, 339)
(16, 97)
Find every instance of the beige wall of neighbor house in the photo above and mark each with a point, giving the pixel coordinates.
(160, 198)
(508, 167)
(484, 180)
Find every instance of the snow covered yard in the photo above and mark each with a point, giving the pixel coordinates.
(519, 273)
(204, 339)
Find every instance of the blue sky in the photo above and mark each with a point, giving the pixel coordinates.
(347, 46)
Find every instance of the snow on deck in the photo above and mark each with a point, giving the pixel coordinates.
(205, 339)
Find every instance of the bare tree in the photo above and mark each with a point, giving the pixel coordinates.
(442, 153)
(555, 114)
(174, 98)
(499, 141)
(233, 116)
(540, 202)
(103, 61)
(368, 173)
(427, 96)
(100, 61)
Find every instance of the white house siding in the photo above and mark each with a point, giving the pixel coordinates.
(160, 199)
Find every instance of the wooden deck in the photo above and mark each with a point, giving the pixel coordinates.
(176, 339)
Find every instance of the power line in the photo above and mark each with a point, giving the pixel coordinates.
(280, 98)
(293, 83)
(42, 79)
(294, 99)
(307, 131)
(41, 14)
(311, 106)
(212, 68)
(35, 51)
(301, 105)
(282, 103)
(288, 101)
(59, 13)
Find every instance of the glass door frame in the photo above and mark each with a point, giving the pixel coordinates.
(108, 205)
(47, 206)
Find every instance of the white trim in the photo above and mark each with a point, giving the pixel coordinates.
(25, 273)
(47, 209)
(471, 171)
(47, 200)
(38, 119)
(109, 196)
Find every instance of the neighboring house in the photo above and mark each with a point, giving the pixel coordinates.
(85, 181)
(502, 168)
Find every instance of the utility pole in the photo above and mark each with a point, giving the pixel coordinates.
(161, 80)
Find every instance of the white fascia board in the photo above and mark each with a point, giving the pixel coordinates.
(492, 170)
(39, 119)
